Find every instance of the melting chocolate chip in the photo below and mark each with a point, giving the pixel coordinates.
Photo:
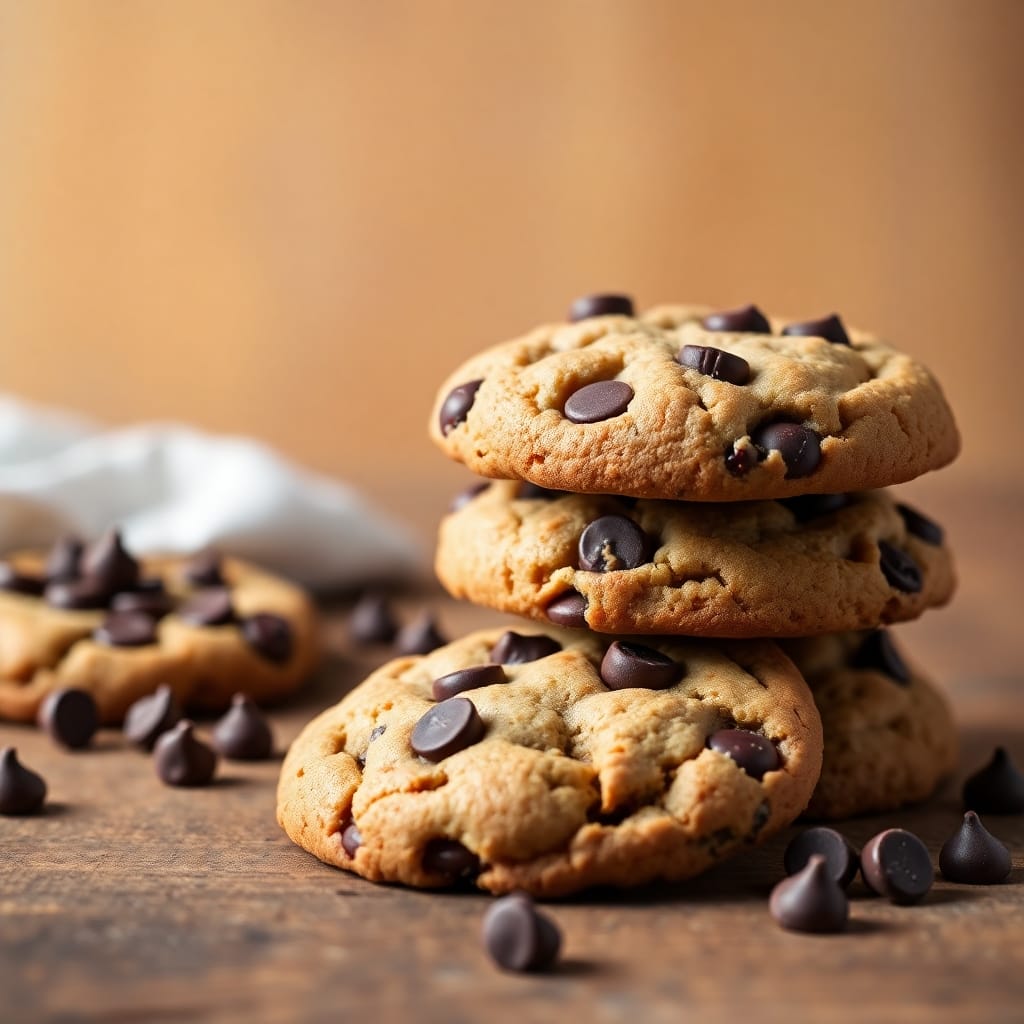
(811, 900)
(828, 327)
(973, 855)
(181, 759)
(268, 635)
(879, 653)
(154, 603)
(998, 788)
(77, 595)
(450, 858)
(799, 446)
(754, 753)
(243, 733)
(713, 362)
(463, 498)
(22, 791)
(895, 863)
(204, 569)
(467, 679)
(64, 559)
(518, 937)
(372, 620)
(108, 563)
(627, 665)
(456, 406)
(899, 568)
(19, 582)
(150, 717)
(745, 320)
(211, 607)
(569, 609)
(920, 526)
(810, 506)
(740, 461)
(601, 400)
(446, 728)
(611, 543)
(841, 859)
(600, 305)
(126, 629)
(517, 649)
(70, 717)
(351, 839)
(421, 636)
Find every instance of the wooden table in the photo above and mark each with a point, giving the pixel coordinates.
(130, 901)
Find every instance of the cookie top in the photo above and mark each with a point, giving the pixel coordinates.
(800, 566)
(889, 734)
(208, 627)
(550, 761)
(684, 405)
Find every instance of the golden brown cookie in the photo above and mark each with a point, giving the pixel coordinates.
(550, 761)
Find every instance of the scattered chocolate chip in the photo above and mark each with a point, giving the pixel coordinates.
(841, 859)
(446, 728)
(754, 753)
(204, 569)
(569, 609)
(351, 839)
(828, 327)
(601, 400)
(77, 595)
(998, 788)
(810, 900)
(62, 564)
(457, 405)
(810, 506)
(879, 653)
(372, 621)
(450, 858)
(421, 636)
(154, 603)
(181, 759)
(211, 607)
(895, 863)
(600, 305)
(243, 733)
(519, 649)
(377, 731)
(627, 665)
(20, 582)
(799, 446)
(468, 679)
(108, 563)
(269, 636)
(518, 937)
(70, 717)
(22, 791)
(899, 568)
(745, 320)
(713, 362)
(611, 543)
(148, 585)
(463, 498)
(920, 525)
(527, 491)
(150, 717)
(126, 629)
(973, 855)
(740, 461)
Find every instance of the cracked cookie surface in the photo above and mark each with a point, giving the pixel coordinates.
(570, 783)
(811, 416)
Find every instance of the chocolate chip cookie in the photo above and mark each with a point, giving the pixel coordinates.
(684, 404)
(550, 760)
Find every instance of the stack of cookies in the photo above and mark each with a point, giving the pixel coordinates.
(686, 507)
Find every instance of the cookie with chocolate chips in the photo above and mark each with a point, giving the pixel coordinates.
(684, 403)
(581, 762)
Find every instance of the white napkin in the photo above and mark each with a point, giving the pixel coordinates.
(173, 489)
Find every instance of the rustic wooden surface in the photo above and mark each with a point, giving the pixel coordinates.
(130, 901)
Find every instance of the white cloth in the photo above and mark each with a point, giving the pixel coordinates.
(173, 489)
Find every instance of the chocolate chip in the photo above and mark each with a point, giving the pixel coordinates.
(532, 492)
(518, 937)
(154, 603)
(998, 788)
(811, 506)
(126, 629)
(268, 635)
(372, 620)
(467, 679)
(457, 405)
(713, 362)
(598, 401)
(895, 863)
(745, 320)
(569, 609)
(828, 327)
(600, 305)
(841, 859)
(377, 731)
(463, 498)
(517, 649)
(150, 717)
(920, 526)
(77, 595)
(181, 759)
(22, 791)
(628, 665)
(20, 582)
(811, 900)
(612, 543)
(446, 728)
(63, 562)
(899, 568)
(211, 607)
(754, 753)
(973, 855)
(421, 636)
(147, 585)
(799, 446)
(879, 653)
(740, 461)
(108, 563)
(70, 717)
(243, 733)
(449, 858)
(351, 839)
(204, 569)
